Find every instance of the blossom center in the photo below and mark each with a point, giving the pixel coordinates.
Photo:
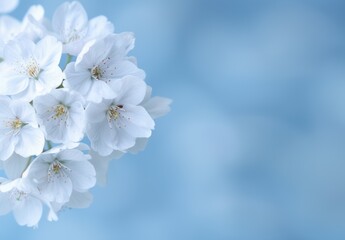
(60, 110)
(96, 72)
(16, 124)
(113, 112)
(18, 195)
(32, 69)
(57, 170)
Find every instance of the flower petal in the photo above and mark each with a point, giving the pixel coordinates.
(31, 141)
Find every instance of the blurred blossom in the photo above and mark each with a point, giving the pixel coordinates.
(7, 6)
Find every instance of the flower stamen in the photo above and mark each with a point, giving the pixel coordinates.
(96, 73)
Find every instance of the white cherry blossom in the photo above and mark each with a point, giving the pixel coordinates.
(61, 115)
(30, 69)
(100, 63)
(116, 123)
(19, 130)
(10, 27)
(71, 26)
(21, 198)
(58, 172)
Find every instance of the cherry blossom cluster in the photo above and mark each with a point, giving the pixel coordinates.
(71, 100)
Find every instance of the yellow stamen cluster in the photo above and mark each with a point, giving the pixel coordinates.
(16, 124)
(60, 110)
(32, 69)
(96, 72)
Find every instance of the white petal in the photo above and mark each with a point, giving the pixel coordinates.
(126, 67)
(8, 5)
(98, 91)
(24, 111)
(96, 112)
(6, 203)
(140, 145)
(48, 52)
(6, 147)
(123, 140)
(70, 19)
(80, 200)
(157, 106)
(12, 83)
(6, 111)
(58, 189)
(51, 78)
(99, 27)
(122, 44)
(130, 90)
(82, 175)
(101, 164)
(29, 213)
(18, 50)
(31, 141)
(38, 169)
(79, 81)
(69, 16)
(15, 166)
(41, 103)
(93, 53)
(101, 137)
(138, 116)
(73, 155)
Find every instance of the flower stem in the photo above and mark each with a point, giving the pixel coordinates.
(68, 60)
(49, 144)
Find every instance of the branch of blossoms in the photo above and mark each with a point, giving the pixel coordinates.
(48, 114)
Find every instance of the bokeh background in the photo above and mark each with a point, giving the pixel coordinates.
(254, 147)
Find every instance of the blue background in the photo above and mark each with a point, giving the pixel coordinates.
(254, 145)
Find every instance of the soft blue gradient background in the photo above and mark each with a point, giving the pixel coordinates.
(254, 147)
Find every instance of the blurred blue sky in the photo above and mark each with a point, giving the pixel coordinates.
(254, 146)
